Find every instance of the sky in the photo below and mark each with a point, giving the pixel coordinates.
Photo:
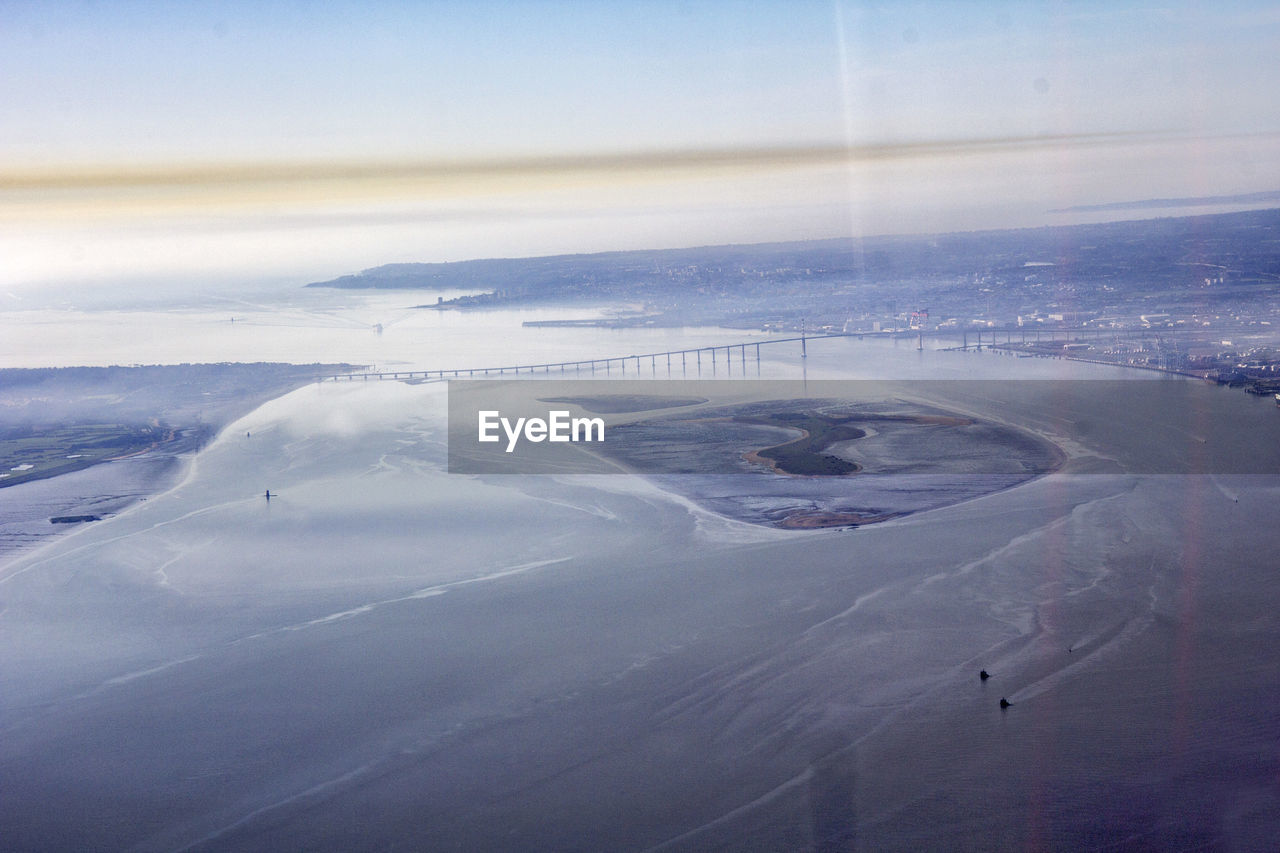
(167, 141)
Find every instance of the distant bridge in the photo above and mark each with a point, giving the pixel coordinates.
(696, 357)
(729, 354)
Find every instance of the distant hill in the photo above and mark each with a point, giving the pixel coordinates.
(1156, 243)
(563, 270)
(1266, 197)
(1217, 262)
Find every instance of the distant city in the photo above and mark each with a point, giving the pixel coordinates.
(1197, 295)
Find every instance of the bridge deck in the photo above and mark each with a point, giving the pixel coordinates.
(980, 338)
(593, 365)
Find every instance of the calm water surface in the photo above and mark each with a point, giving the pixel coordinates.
(389, 655)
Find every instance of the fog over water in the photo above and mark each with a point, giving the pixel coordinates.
(386, 654)
(311, 325)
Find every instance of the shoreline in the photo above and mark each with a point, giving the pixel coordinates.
(107, 487)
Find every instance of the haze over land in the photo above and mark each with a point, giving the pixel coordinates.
(1225, 265)
(154, 142)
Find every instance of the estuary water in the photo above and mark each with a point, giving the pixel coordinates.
(386, 655)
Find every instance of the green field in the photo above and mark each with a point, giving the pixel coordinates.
(54, 450)
(56, 420)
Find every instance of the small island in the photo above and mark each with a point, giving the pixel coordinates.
(852, 464)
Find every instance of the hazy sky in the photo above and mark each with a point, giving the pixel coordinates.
(314, 139)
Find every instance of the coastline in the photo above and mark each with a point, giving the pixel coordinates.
(105, 487)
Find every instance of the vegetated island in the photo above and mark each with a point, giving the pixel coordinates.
(57, 420)
(852, 464)
(804, 456)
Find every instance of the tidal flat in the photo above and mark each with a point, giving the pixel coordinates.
(361, 663)
(814, 463)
